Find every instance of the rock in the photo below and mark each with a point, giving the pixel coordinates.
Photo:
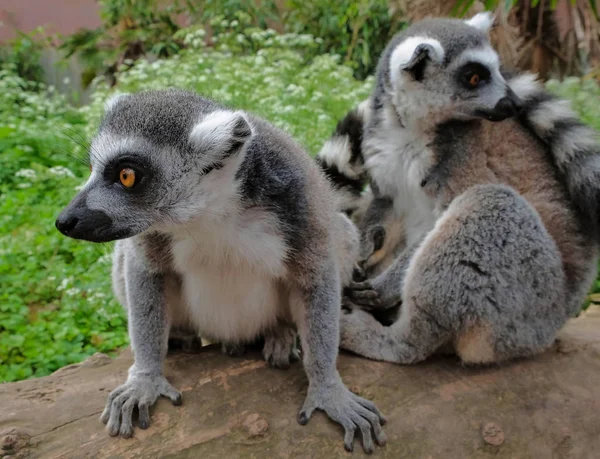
(255, 425)
(546, 406)
(12, 442)
(493, 434)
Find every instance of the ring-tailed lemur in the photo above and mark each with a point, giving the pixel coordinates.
(500, 215)
(226, 226)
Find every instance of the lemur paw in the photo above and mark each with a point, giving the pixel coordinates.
(141, 391)
(233, 350)
(189, 344)
(363, 295)
(347, 409)
(280, 349)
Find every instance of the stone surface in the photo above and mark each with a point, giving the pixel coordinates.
(545, 407)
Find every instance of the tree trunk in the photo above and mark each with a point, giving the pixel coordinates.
(540, 408)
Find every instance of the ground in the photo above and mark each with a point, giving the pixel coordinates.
(542, 407)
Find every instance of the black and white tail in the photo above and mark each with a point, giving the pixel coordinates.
(342, 160)
(574, 147)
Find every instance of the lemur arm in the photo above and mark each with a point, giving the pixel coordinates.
(149, 332)
(385, 290)
(318, 326)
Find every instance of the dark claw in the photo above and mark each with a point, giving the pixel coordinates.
(303, 418)
(349, 447)
(178, 400)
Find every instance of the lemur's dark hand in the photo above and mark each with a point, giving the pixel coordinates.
(363, 294)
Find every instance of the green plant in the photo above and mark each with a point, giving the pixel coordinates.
(23, 54)
(358, 31)
(56, 304)
(130, 29)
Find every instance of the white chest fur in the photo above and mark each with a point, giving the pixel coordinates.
(398, 162)
(231, 272)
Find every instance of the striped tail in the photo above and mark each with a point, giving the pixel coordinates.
(342, 160)
(573, 146)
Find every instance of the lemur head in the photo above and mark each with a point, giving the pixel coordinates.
(381, 233)
(441, 69)
(160, 158)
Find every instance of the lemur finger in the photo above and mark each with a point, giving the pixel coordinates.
(306, 411)
(373, 419)
(126, 429)
(366, 285)
(144, 415)
(369, 405)
(171, 393)
(349, 431)
(294, 355)
(358, 274)
(114, 394)
(114, 421)
(365, 430)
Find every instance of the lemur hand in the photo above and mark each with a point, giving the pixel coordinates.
(349, 410)
(141, 391)
(363, 294)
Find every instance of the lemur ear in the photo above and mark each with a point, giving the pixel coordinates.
(221, 133)
(482, 21)
(114, 100)
(411, 56)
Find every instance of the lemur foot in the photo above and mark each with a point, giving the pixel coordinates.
(185, 340)
(233, 350)
(189, 345)
(280, 349)
(347, 409)
(141, 391)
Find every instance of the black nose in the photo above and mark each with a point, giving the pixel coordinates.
(506, 106)
(66, 224)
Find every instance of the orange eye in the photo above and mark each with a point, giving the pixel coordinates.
(127, 177)
(474, 80)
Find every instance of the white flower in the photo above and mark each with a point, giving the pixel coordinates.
(26, 173)
(61, 171)
(24, 185)
(72, 291)
(64, 283)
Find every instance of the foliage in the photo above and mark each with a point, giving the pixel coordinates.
(23, 54)
(56, 305)
(130, 29)
(357, 31)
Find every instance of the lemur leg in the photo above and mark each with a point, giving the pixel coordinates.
(488, 277)
(149, 332)
(281, 346)
(411, 339)
(316, 308)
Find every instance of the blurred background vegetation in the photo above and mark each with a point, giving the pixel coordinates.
(299, 63)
